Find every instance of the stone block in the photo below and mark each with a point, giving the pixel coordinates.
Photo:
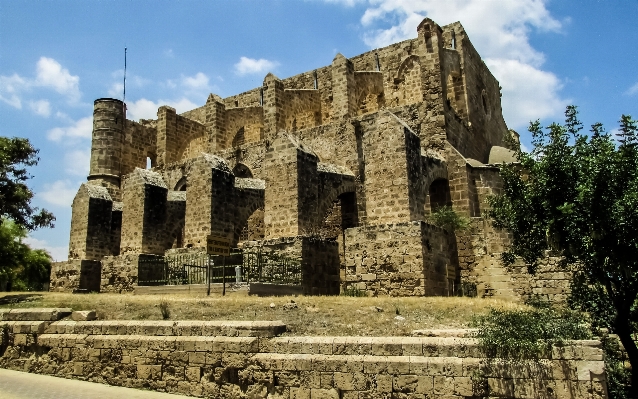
(193, 374)
(36, 314)
(319, 393)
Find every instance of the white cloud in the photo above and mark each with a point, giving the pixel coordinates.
(77, 162)
(79, 129)
(59, 193)
(528, 93)
(147, 109)
(57, 253)
(632, 90)
(51, 74)
(347, 3)
(247, 66)
(41, 107)
(10, 88)
(499, 29)
(197, 82)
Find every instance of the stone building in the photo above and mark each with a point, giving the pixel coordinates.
(340, 166)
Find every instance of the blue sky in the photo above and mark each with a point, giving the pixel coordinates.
(56, 57)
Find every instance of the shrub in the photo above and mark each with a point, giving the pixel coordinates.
(528, 334)
(446, 218)
(164, 309)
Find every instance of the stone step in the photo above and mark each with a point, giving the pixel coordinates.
(35, 314)
(24, 327)
(499, 285)
(452, 332)
(227, 328)
(153, 343)
(374, 346)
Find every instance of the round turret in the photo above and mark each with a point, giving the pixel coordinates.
(109, 116)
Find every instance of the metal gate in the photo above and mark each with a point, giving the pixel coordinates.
(239, 266)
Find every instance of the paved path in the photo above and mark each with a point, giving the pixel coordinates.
(19, 385)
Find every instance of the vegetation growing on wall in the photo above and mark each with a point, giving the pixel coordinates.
(448, 219)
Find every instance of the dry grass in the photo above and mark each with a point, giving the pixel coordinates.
(336, 316)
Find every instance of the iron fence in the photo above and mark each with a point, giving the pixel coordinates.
(239, 266)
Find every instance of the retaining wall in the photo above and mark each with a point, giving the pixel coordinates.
(219, 359)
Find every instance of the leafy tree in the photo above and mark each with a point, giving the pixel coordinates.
(577, 195)
(16, 154)
(21, 268)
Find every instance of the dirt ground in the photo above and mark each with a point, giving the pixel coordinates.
(304, 315)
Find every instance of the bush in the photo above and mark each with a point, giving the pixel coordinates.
(528, 334)
(446, 218)
(164, 309)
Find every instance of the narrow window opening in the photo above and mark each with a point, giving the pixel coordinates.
(261, 97)
(316, 82)
(377, 63)
(149, 163)
(236, 103)
(453, 40)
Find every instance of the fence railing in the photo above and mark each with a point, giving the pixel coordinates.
(240, 266)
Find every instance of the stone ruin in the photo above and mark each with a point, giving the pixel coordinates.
(340, 166)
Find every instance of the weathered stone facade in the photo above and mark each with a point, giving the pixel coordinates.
(357, 153)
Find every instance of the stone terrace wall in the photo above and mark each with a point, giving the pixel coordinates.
(242, 360)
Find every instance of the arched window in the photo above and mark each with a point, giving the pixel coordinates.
(242, 171)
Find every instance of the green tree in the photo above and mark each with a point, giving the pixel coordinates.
(16, 154)
(21, 268)
(577, 195)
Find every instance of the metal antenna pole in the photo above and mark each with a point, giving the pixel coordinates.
(124, 97)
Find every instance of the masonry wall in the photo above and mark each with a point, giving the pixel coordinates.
(90, 236)
(402, 259)
(291, 197)
(144, 213)
(243, 359)
(393, 189)
(178, 137)
(119, 274)
(65, 276)
(483, 99)
(209, 201)
(244, 125)
(139, 144)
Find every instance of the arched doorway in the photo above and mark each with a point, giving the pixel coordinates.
(439, 194)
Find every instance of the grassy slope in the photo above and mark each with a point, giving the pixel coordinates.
(334, 316)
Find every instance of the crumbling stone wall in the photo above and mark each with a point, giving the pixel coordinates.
(247, 359)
